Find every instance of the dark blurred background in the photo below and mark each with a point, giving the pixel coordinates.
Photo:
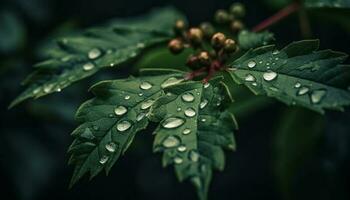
(283, 153)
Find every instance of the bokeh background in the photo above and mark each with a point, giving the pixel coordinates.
(283, 153)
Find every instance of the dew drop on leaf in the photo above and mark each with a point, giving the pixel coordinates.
(127, 97)
(94, 53)
(171, 81)
(186, 131)
(270, 75)
(249, 78)
(317, 96)
(96, 128)
(297, 85)
(111, 147)
(203, 120)
(178, 109)
(254, 84)
(103, 159)
(140, 116)
(194, 156)
(172, 122)
(203, 104)
(251, 64)
(181, 148)
(178, 160)
(123, 126)
(187, 97)
(190, 112)
(147, 104)
(120, 110)
(36, 90)
(171, 141)
(88, 66)
(145, 85)
(303, 90)
(276, 52)
(140, 45)
(48, 88)
(140, 94)
(206, 85)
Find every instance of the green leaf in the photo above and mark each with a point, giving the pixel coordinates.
(299, 74)
(80, 56)
(327, 3)
(248, 40)
(194, 128)
(110, 121)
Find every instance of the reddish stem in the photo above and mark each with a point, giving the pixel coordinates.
(195, 73)
(277, 17)
(215, 65)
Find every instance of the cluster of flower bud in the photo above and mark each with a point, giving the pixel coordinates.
(231, 17)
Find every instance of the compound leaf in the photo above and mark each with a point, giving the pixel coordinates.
(79, 56)
(248, 40)
(299, 74)
(194, 128)
(110, 121)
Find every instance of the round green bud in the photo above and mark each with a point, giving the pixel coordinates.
(222, 17)
(218, 40)
(230, 46)
(236, 26)
(195, 35)
(238, 10)
(204, 58)
(207, 29)
(176, 46)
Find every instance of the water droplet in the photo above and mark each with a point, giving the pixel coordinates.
(58, 89)
(96, 128)
(48, 88)
(203, 120)
(111, 115)
(147, 104)
(88, 66)
(190, 112)
(203, 104)
(273, 89)
(145, 85)
(94, 53)
(249, 78)
(181, 148)
(172, 122)
(127, 97)
(186, 131)
(275, 52)
(120, 110)
(206, 85)
(111, 147)
(297, 85)
(140, 45)
(123, 126)
(269, 75)
(179, 109)
(251, 64)
(303, 90)
(194, 156)
(36, 90)
(178, 160)
(171, 81)
(188, 97)
(103, 159)
(171, 142)
(140, 94)
(254, 84)
(140, 116)
(317, 96)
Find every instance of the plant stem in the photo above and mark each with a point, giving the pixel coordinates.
(285, 12)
